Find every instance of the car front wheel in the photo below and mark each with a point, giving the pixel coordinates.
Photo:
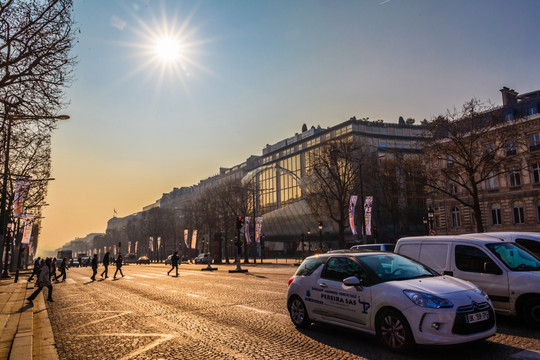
(394, 331)
(298, 312)
(531, 312)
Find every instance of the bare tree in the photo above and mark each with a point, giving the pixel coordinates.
(465, 148)
(36, 38)
(334, 174)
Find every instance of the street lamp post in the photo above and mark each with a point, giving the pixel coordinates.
(425, 221)
(320, 234)
(309, 240)
(431, 217)
(302, 239)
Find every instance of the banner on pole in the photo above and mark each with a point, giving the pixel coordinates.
(151, 244)
(247, 222)
(136, 246)
(129, 247)
(27, 232)
(186, 233)
(22, 186)
(368, 204)
(193, 239)
(258, 227)
(352, 207)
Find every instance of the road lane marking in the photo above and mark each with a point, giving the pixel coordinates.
(162, 339)
(71, 281)
(255, 309)
(196, 296)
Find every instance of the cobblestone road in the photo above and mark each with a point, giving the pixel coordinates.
(217, 315)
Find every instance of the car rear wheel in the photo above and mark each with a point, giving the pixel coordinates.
(298, 312)
(531, 312)
(394, 331)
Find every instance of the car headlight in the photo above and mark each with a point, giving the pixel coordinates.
(427, 300)
(481, 293)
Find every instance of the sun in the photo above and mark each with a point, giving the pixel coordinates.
(168, 49)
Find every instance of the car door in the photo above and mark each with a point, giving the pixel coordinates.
(341, 304)
(470, 264)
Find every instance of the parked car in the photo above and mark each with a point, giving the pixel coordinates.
(397, 299)
(508, 273)
(375, 247)
(529, 240)
(203, 258)
(143, 260)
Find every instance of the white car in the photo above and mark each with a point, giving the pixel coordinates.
(397, 299)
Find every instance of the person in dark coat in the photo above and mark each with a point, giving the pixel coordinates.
(94, 267)
(43, 280)
(106, 260)
(118, 262)
(35, 271)
(63, 268)
(53, 270)
(174, 263)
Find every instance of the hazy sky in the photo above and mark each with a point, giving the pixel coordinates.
(250, 73)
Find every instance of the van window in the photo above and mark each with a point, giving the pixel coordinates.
(516, 258)
(434, 255)
(531, 245)
(471, 259)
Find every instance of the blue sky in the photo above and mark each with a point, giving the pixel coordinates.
(251, 73)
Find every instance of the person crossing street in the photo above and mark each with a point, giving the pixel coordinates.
(94, 267)
(174, 263)
(118, 262)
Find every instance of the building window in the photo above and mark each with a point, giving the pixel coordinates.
(496, 214)
(515, 179)
(518, 212)
(452, 187)
(533, 109)
(511, 147)
(450, 160)
(493, 181)
(534, 141)
(455, 217)
(509, 115)
(536, 173)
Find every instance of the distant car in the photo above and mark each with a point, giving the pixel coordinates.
(85, 261)
(203, 258)
(397, 299)
(74, 263)
(376, 247)
(143, 260)
(130, 258)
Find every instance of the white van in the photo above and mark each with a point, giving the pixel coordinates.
(529, 240)
(509, 274)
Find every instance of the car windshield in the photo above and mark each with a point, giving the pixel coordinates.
(389, 267)
(515, 257)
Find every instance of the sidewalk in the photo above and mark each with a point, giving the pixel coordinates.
(26, 329)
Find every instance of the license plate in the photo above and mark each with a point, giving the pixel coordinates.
(476, 317)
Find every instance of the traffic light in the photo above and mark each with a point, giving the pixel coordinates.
(375, 232)
(239, 222)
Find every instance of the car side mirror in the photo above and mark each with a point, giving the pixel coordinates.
(492, 268)
(353, 281)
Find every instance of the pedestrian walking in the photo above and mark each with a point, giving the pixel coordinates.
(118, 262)
(174, 263)
(106, 260)
(43, 280)
(35, 271)
(94, 267)
(63, 268)
(53, 270)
